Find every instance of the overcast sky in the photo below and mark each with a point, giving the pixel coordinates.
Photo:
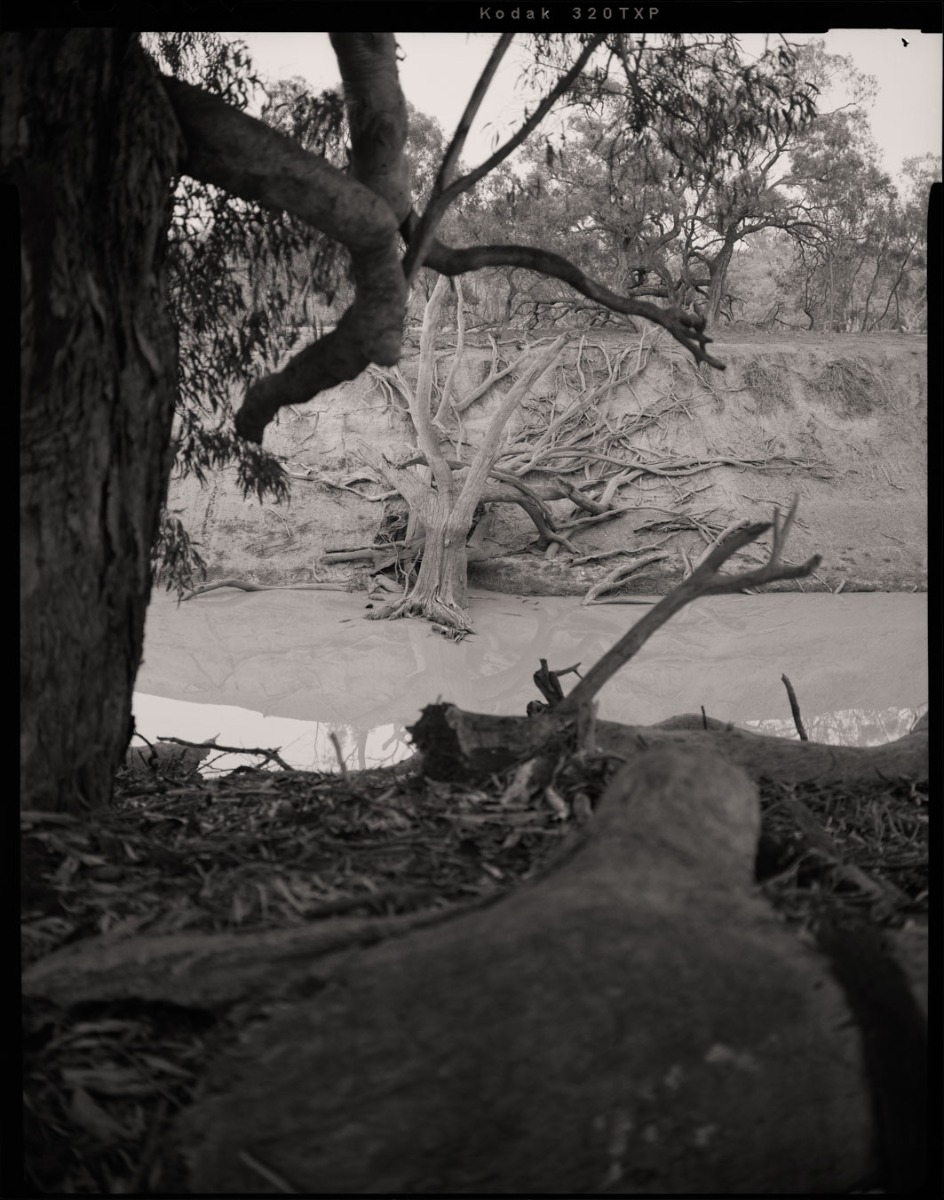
(439, 70)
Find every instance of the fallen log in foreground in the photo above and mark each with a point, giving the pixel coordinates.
(637, 1022)
(458, 745)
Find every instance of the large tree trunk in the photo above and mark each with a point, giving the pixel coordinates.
(718, 277)
(442, 579)
(89, 140)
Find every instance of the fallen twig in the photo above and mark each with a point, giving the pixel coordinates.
(267, 755)
(725, 533)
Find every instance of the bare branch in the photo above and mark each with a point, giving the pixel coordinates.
(485, 455)
(686, 328)
(547, 529)
(722, 536)
(795, 709)
(215, 747)
(451, 157)
(449, 386)
(704, 581)
(420, 234)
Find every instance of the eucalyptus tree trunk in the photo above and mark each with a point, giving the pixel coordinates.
(90, 143)
(442, 503)
(718, 276)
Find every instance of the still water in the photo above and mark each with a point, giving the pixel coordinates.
(287, 669)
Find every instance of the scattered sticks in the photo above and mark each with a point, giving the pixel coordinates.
(215, 747)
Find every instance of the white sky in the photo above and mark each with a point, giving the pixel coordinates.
(439, 70)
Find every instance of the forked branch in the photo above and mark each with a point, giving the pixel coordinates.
(706, 580)
(422, 231)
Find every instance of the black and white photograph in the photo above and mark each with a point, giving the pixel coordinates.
(474, 638)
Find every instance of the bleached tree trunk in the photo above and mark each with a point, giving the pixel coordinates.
(444, 505)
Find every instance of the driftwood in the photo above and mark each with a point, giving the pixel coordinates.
(639, 1021)
(458, 745)
(706, 580)
(246, 585)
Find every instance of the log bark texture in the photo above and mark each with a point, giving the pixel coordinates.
(458, 745)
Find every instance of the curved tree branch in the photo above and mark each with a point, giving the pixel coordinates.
(245, 156)
(249, 158)
(686, 328)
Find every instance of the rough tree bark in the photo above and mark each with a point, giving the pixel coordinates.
(90, 142)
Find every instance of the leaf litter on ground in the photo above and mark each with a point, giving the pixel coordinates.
(266, 849)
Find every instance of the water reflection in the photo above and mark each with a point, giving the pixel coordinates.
(307, 745)
(288, 669)
(304, 745)
(849, 727)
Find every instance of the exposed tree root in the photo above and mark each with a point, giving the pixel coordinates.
(620, 575)
(440, 612)
(245, 586)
